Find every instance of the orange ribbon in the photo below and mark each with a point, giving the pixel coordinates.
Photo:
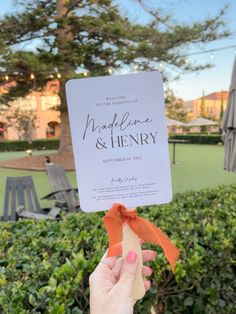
(145, 230)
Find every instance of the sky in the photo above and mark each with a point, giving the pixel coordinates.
(188, 86)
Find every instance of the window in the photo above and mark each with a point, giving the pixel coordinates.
(52, 129)
(2, 130)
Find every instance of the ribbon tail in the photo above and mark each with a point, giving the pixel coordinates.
(150, 233)
(171, 252)
(114, 230)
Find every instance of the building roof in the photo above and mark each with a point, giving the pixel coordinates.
(217, 96)
(172, 122)
(201, 122)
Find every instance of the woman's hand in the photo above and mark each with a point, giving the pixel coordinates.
(112, 280)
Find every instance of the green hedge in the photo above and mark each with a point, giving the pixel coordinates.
(45, 266)
(8, 146)
(199, 138)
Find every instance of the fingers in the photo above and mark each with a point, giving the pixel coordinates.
(117, 268)
(146, 271)
(128, 272)
(147, 285)
(115, 263)
(148, 255)
(108, 261)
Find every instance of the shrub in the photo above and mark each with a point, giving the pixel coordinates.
(45, 266)
(199, 138)
(10, 146)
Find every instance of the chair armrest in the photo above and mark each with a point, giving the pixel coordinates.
(55, 213)
(45, 213)
(21, 213)
(51, 196)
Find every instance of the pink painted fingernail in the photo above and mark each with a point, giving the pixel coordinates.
(154, 254)
(131, 257)
(149, 270)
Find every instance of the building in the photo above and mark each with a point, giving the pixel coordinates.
(41, 107)
(209, 105)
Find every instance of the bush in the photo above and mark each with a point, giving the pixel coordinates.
(199, 138)
(45, 266)
(10, 146)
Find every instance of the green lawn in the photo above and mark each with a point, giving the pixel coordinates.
(197, 167)
(13, 155)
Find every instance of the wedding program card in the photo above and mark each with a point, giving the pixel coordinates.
(119, 138)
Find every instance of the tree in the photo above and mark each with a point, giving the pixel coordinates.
(174, 107)
(92, 36)
(203, 109)
(221, 106)
(21, 118)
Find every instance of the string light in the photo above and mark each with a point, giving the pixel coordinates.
(14, 73)
(211, 50)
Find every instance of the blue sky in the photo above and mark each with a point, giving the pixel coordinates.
(189, 86)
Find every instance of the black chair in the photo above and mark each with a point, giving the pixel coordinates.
(21, 201)
(62, 190)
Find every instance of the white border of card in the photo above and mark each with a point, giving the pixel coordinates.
(119, 138)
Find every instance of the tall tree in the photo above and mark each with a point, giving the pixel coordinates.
(175, 107)
(221, 106)
(203, 109)
(92, 36)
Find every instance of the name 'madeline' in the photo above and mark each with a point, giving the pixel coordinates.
(126, 126)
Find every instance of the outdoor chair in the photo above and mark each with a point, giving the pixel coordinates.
(62, 190)
(21, 201)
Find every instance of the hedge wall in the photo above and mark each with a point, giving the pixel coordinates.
(54, 143)
(45, 266)
(199, 138)
(8, 146)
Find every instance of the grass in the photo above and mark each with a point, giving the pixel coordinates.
(14, 155)
(197, 167)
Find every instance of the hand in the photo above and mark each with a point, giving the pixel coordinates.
(111, 283)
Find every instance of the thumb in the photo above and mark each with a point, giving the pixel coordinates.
(128, 272)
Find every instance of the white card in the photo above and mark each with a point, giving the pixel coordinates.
(119, 138)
